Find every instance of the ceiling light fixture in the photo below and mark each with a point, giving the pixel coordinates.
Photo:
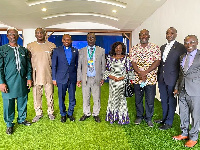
(44, 9)
(111, 2)
(81, 14)
(114, 11)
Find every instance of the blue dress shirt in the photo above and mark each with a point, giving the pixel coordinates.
(68, 54)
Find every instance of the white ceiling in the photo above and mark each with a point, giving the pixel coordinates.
(17, 13)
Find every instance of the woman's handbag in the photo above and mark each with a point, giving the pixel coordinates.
(129, 90)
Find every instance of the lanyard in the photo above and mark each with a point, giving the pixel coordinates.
(91, 54)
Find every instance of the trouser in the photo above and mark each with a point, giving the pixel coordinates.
(9, 110)
(95, 88)
(37, 96)
(168, 102)
(189, 105)
(62, 88)
(150, 92)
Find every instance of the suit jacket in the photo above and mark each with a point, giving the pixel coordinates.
(99, 65)
(169, 70)
(190, 79)
(62, 72)
(15, 80)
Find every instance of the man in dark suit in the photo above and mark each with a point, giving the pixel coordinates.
(167, 75)
(15, 80)
(187, 86)
(64, 74)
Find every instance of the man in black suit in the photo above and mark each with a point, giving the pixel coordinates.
(168, 72)
(64, 74)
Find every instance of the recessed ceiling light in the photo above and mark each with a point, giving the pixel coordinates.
(44, 9)
(114, 11)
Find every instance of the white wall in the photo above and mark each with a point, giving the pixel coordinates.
(184, 15)
(29, 36)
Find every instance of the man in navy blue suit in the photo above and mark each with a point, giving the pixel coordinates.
(64, 74)
(168, 72)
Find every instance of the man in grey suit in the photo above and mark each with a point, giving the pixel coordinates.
(91, 66)
(187, 87)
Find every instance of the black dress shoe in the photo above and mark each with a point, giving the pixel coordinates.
(97, 119)
(26, 123)
(71, 118)
(159, 121)
(84, 117)
(9, 130)
(63, 119)
(165, 127)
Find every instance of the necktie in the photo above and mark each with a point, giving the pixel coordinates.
(17, 58)
(187, 61)
(91, 68)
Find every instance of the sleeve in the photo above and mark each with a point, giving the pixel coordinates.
(54, 65)
(133, 54)
(157, 53)
(29, 67)
(77, 58)
(107, 72)
(2, 75)
(80, 63)
(129, 69)
(103, 61)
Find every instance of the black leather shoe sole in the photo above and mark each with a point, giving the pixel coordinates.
(71, 118)
(158, 121)
(26, 123)
(63, 119)
(9, 130)
(165, 127)
(97, 119)
(84, 117)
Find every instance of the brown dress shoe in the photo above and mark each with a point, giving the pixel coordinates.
(190, 143)
(180, 137)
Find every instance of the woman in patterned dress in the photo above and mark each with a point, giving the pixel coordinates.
(117, 66)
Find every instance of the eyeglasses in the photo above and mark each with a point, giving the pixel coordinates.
(12, 34)
(191, 42)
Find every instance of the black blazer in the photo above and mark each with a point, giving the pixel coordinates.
(168, 71)
(62, 72)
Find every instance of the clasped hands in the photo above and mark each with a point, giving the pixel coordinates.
(118, 79)
(142, 75)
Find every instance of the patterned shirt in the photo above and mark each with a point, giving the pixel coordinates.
(144, 58)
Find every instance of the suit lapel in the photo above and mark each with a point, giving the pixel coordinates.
(63, 56)
(195, 62)
(73, 53)
(171, 52)
(181, 60)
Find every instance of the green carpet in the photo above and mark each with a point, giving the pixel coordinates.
(86, 135)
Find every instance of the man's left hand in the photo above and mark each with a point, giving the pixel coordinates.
(29, 83)
(102, 82)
